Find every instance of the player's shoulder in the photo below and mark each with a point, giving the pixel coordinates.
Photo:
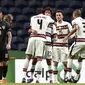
(77, 19)
(5, 23)
(74, 21)
(65, 22)
(33, 16)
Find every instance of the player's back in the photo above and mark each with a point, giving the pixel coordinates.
(40, 23)
(80, 33)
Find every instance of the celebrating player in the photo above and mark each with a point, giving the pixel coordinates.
(60, 49)
(36, 42)
(78, 48)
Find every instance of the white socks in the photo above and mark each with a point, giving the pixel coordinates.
(39, 68)
(32, 71)
(50, 71)
(69, 68)
(26, 64)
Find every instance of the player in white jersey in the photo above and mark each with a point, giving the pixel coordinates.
(36, 42)
(51, 30)
(78, 48)
(60, 49)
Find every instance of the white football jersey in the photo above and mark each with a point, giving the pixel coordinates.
(50, 32)
(62, 31)
(40, 23)
(80, 33)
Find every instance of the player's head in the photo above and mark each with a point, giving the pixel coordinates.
(39, 11)
(59, 15)
(1, 15)
(48, 11)
(76, 13)
(8, 18)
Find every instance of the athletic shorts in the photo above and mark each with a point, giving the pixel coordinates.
(48, 52)
(78, 50)
(35, 47)
(60, 54)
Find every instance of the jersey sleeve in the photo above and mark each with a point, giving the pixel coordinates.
(75, 23)
(54, 30)
(69, 27)
(50, 20)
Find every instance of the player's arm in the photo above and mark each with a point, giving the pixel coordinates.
(9, 40)
(75, 28)
(54, 33)
(32, 31)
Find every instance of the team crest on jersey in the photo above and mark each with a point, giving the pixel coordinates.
(6, 55)
(2, 27)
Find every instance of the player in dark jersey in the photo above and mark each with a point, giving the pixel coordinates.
(5, 32)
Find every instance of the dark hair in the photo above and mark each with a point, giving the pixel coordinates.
(49, 9)
(8, 18)
(59, 11)
(39, 10)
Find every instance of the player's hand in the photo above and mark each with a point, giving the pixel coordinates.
(54, 39)
(8, 47)
(34, 32)
(65, 39)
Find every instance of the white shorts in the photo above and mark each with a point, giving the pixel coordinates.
(35, 47)
(48, 52)
(78, 50)
(60, 54)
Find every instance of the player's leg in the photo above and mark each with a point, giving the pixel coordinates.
(4, 73)
(55, 71)
(34, 61)
(63, 59)
(69, 68)
(81, 55)
(5, 65)
(55, 63)
(74, 50)
(26, 64)
(39, 53)
(29, 52)
(1, 69)
(65, 69)
(1, 64)
(78, 69)
(39, 68)
(49, 61)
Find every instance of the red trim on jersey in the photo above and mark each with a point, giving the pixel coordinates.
(62, 27)
(48, 34)
(62, 36)
(38, 35)
(80, 39)
(49, 43)
(60, 44)
(74, 24)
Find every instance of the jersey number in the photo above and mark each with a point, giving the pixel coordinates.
(39, 21)
(83, 26)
